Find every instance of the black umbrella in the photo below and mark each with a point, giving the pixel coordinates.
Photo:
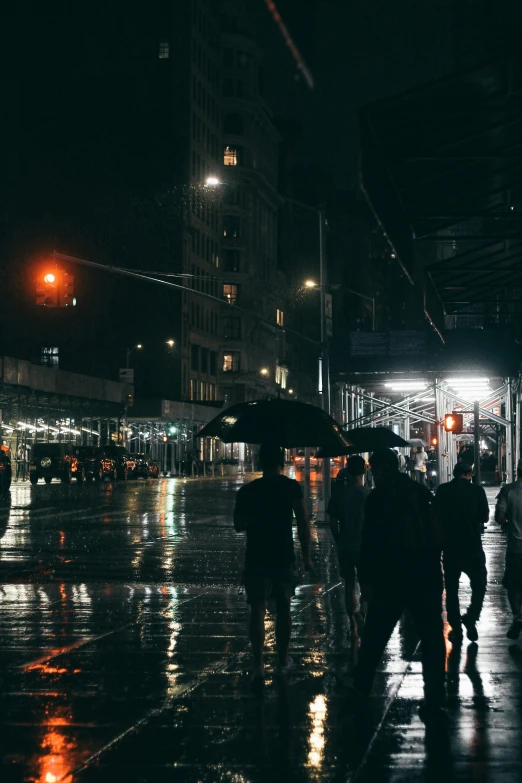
(366, 439)
(417, 443)
(287, 423)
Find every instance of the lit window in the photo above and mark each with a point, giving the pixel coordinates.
(193, 389)
(50, 356)
(281, 376)
(230, 293)
(212, 391)
(164, 50)
(202, 390)
(231, 361)
(280, 318)
(231, 226)
(230, 157)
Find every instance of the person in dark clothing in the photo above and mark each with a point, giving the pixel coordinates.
(400, 568)
(265, 509)
(346, 510)
(463, 510)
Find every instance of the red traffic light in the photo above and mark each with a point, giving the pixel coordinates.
(454, 422)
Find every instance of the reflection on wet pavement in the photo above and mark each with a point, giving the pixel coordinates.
(123, 656)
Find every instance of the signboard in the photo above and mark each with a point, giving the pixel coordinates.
(126, 375)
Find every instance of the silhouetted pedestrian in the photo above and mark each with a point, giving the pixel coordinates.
(265, 510)
(420, 459)
(346, 510)
(400, 568)
(463, 510)
(508, 513)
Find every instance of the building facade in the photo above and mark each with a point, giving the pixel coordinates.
(252, 363)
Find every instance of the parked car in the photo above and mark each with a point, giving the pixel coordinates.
(6, 472)
(96, 463)
(143, 465)
(299, 460)
(55, 460)
(121, 457)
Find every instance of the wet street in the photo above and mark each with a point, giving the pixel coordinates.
(123, 656)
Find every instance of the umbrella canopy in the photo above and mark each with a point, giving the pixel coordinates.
(366, 439)
(287, 423)
(416, 443)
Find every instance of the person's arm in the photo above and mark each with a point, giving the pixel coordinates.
(303, 531)
(240, 517)
(483, 509)
(501, 508)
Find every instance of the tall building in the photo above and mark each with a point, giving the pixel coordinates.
(114, 127)
(253, 360)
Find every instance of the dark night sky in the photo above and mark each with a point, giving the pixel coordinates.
(358, 51)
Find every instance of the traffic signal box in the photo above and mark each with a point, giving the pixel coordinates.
(55, 288)
(454, 422)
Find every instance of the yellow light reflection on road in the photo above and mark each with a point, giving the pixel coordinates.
(316, 741)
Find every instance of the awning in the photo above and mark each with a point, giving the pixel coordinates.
(442, 169)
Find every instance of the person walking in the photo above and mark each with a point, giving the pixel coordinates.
(463, 510)
(346, 510)
(508, 513)
(264, 510)
(420, 459)
(400, 568)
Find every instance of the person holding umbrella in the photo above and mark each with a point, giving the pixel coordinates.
(265, 510)
(346, 510)
(400, 568)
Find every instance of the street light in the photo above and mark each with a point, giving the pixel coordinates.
(212, 181)
(136, 347)
(336, 287)
(170, 343)
(49, 278)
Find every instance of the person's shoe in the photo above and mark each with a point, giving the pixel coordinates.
(471, 628)
(257, 678)
(514, 629)
(455, 635)
(285, 668)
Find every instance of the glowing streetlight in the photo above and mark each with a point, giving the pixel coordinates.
(290, 391)
(212, 182)
(49, 278)
(310, 284)
(139, 346)
(263, 371)
(170, 343)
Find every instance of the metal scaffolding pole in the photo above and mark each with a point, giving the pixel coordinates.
(517, 427)
(509, 432)
(476, 431)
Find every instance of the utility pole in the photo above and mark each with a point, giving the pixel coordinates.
(324, 366)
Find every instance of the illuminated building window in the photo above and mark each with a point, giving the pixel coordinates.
(50, 356)
(230, 156)
(280, 318)
(230, 293)
(212, 391)
(202, 390)
(231, 361)
(193, 389)
(231, 226)
(164, 50)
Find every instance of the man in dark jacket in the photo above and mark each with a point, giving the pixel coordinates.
(400, 568)
(463, 510)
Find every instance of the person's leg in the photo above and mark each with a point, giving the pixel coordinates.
(283, 628)
(426, 608)
(257, 631)
(475, 568)
(383, 614)
(452, 571)
(512, 581)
